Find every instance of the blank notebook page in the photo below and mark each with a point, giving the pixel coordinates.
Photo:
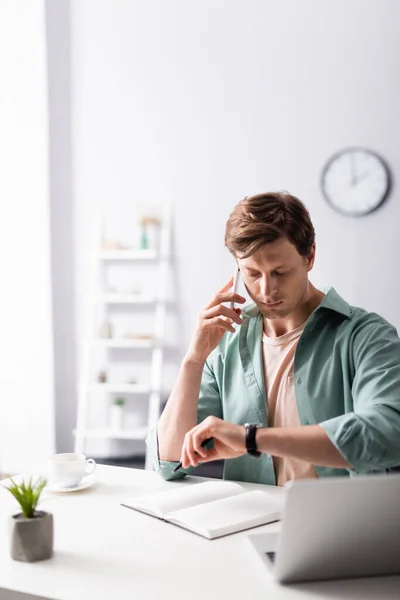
(182, 497)
(230, 514)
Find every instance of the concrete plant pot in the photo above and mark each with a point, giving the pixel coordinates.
(32, 539)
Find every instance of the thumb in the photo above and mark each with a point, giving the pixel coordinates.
(212, 454)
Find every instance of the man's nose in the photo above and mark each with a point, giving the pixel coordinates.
(268, 287)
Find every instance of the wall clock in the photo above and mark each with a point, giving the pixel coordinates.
(355, 181)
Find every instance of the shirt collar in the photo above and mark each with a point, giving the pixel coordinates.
(334, 302)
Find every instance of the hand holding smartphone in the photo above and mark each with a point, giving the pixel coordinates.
(215, 320)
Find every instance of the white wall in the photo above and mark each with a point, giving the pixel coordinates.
(202, 103)
(26, 348)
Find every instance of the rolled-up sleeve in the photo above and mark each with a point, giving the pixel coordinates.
(369, 436)
(209, 404)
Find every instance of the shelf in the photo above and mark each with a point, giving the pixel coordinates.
(149, 254)
(139, 433)
(120, 388)
(124, 343)
(112, 294)
(124, 299)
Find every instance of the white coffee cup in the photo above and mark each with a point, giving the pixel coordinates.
(68, 468)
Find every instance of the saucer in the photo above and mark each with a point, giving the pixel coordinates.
(86, 482)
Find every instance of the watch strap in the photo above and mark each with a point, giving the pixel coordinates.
(251, 444)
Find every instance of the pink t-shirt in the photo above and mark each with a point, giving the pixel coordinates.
(278, 360)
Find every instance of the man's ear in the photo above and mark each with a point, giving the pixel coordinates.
(311, 258)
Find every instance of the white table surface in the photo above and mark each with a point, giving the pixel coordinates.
(105, 551)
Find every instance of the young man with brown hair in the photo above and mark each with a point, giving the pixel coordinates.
(306, 384)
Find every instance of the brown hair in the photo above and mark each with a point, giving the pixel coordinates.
(264, 218)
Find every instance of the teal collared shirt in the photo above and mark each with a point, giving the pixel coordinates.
(346, 377)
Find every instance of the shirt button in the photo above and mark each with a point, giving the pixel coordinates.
(306, 422)
(299, 380)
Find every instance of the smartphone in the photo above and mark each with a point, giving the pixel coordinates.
(235, 286)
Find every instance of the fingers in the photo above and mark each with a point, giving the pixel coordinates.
(197, 438)
(189, 457)
(224, 324)
(184, 457)
(223, 295)
(192, 450)
(229, 297)
(210, 455)
(228, 441)
(221, 310)
(219, 298)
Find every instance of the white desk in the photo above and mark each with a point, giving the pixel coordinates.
(106, 551)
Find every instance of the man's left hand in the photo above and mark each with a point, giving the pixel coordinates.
(229, 442)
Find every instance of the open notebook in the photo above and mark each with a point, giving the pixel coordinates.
(210, 509)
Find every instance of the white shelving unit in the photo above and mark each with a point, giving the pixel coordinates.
(124, 343)
(125, 299)
(139, 433)
(148, 254)
(119, 388)
(87, 388)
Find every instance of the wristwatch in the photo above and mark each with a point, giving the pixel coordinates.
(251, 444)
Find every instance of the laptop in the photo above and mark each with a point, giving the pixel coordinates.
(335, 528)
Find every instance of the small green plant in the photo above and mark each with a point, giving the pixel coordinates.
(119, 401)
(28, 495)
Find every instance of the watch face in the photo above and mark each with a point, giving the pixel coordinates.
(355, 181)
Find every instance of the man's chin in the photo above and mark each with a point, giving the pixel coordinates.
(274, 314)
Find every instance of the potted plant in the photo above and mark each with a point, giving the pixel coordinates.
(31, 530)
(116, 413)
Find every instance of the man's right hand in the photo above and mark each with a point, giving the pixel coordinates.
(212, 323)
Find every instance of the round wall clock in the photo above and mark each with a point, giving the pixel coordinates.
(355, 181)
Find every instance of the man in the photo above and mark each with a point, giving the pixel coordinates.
(316, 381)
